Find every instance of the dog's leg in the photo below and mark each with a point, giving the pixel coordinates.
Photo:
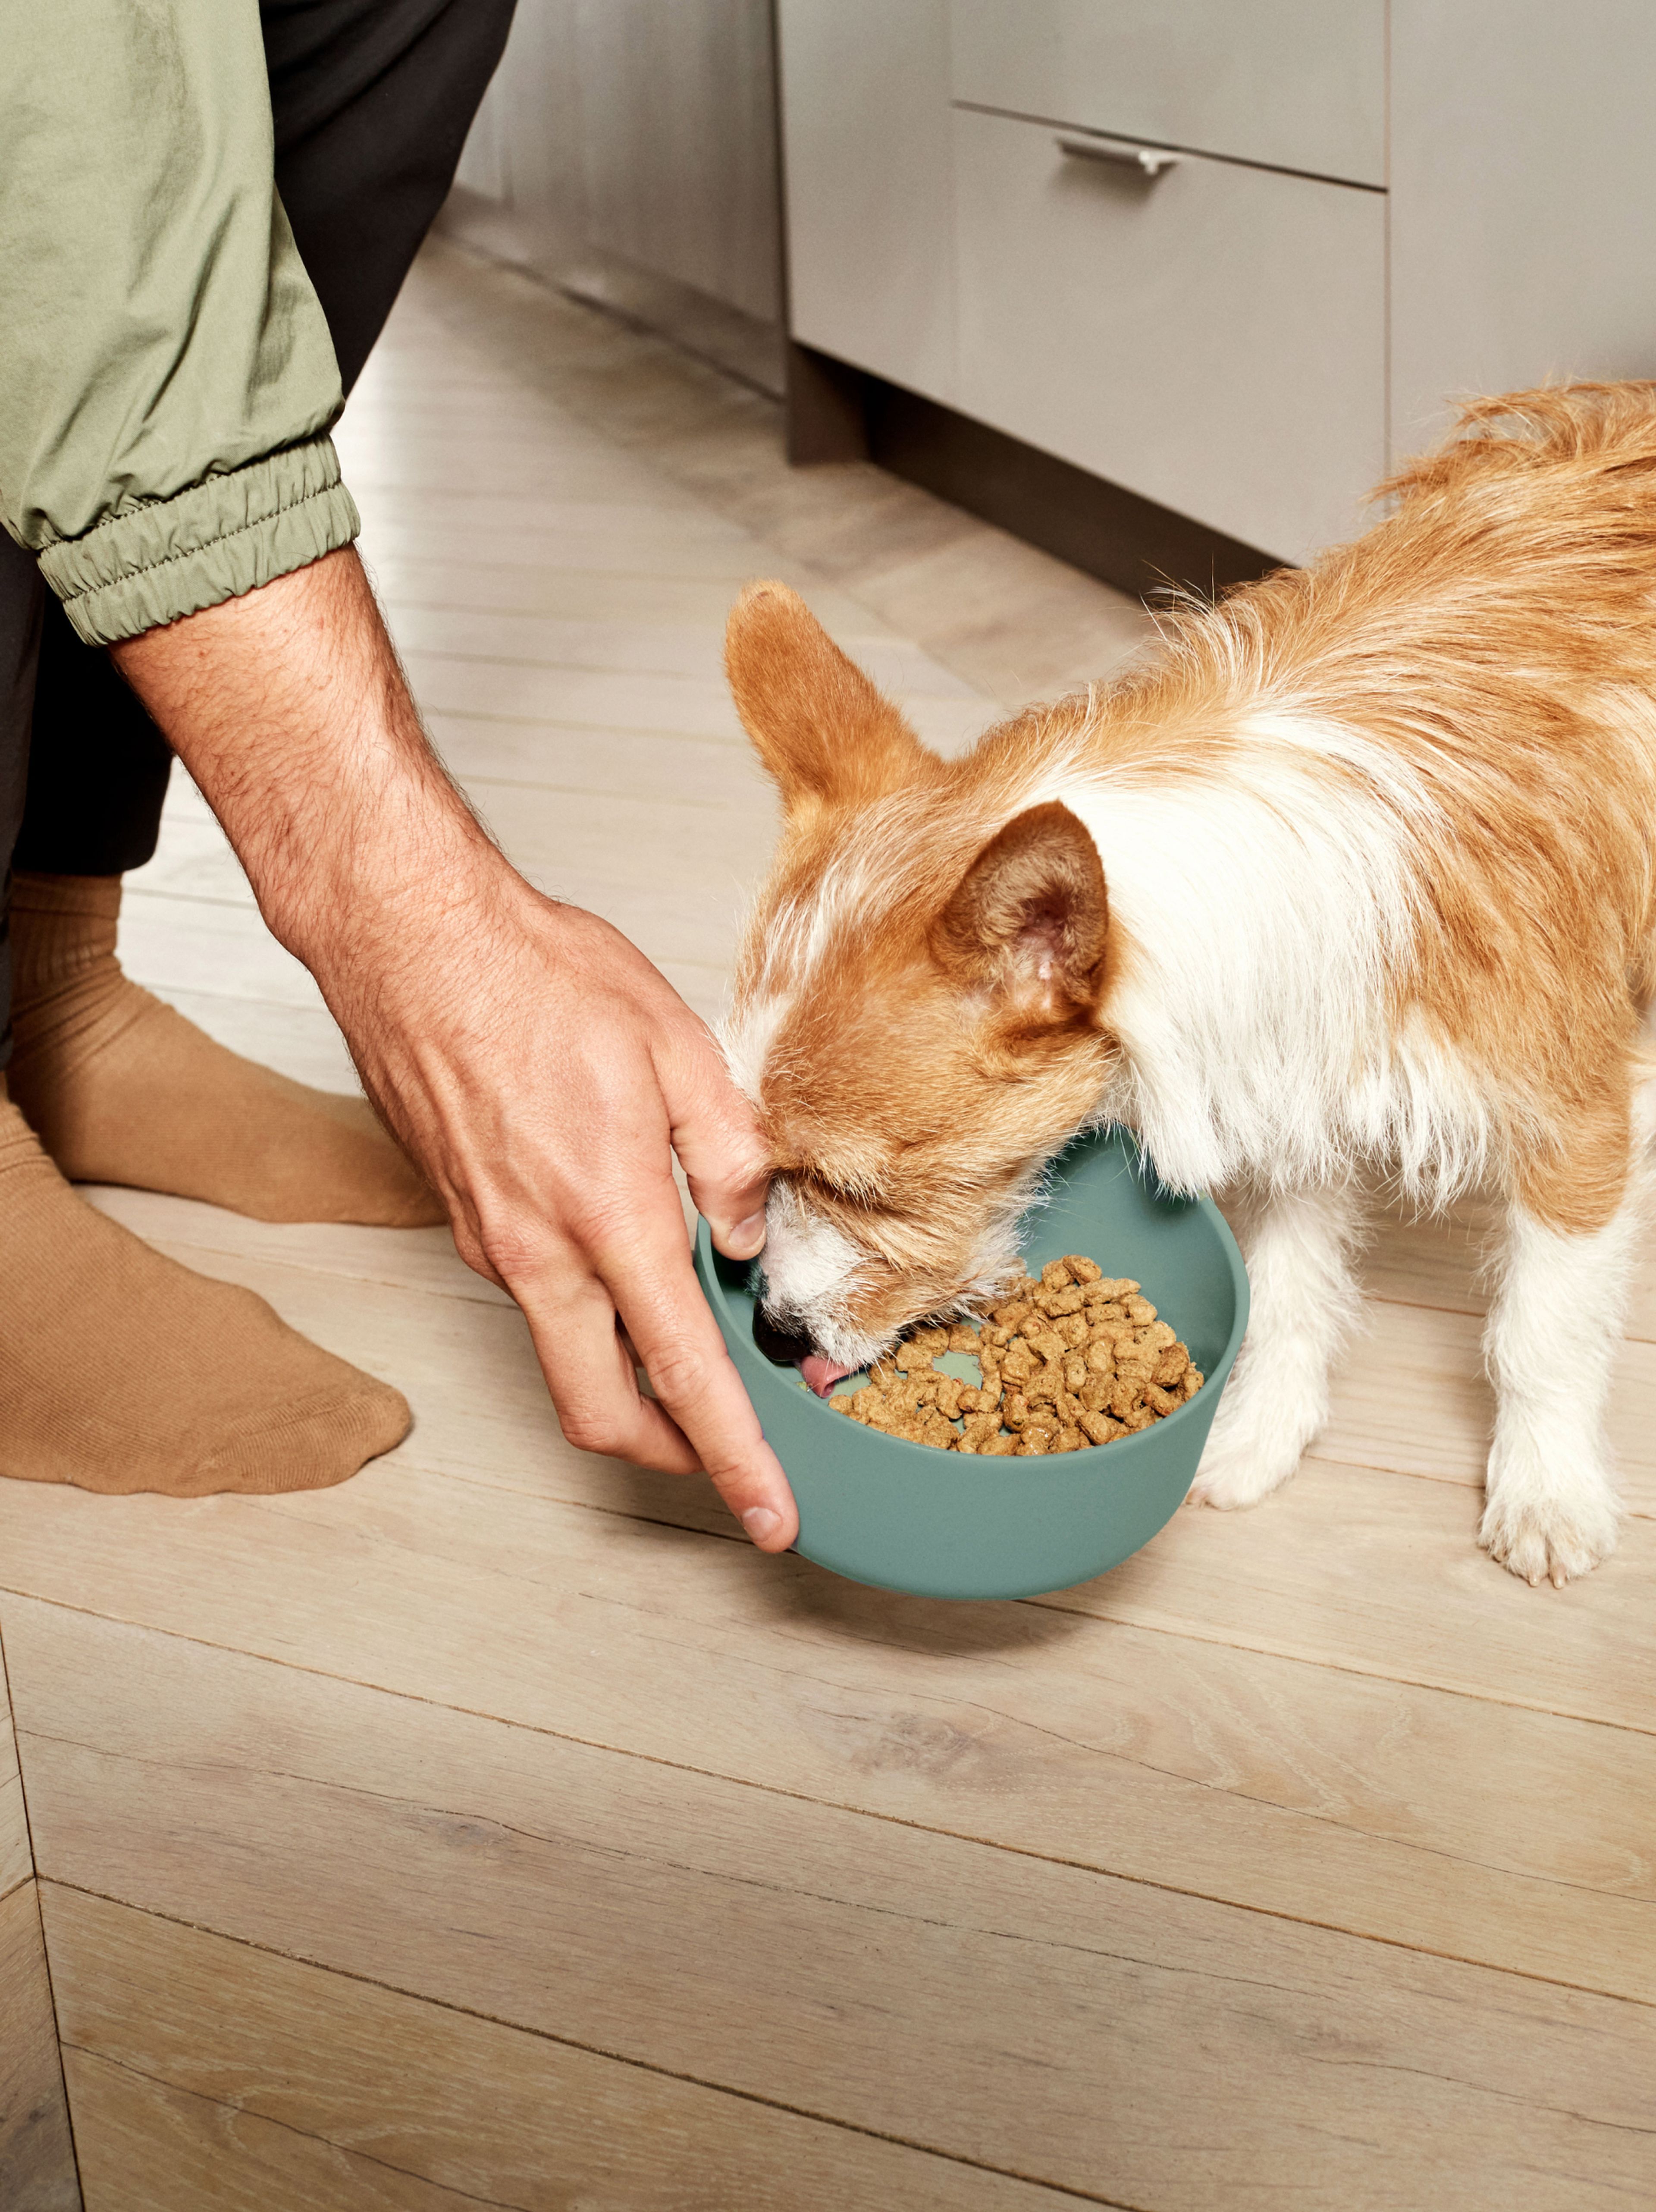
(1298, 1248)
(1554, 1331)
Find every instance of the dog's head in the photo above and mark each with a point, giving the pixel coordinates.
(917, 995)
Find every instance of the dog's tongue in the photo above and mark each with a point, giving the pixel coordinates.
(821, 1374)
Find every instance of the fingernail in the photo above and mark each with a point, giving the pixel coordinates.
(760, 1522)
(750, 1231)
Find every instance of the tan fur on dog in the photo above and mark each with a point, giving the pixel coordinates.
(1357, 872)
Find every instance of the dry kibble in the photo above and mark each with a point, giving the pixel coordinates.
(1073, 1361)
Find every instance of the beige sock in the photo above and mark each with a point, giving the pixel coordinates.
(121, 1088)
(120, 1371)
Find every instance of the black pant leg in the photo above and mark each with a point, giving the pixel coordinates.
(372, 101)
(97, 767)
(21, 593)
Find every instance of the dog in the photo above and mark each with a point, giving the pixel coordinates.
(1354, 878)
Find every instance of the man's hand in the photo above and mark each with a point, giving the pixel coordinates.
(535, 1064)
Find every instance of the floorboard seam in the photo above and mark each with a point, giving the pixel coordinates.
(592, 2050)
(868, 1813)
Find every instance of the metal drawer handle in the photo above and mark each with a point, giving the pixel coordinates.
(1149, 160)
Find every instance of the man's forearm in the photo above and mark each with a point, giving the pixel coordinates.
(289, 709)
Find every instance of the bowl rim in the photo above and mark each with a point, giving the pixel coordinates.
(706, 1268)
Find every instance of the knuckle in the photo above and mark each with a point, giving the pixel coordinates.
(516, 1248)
(678, 1372)
(592, 1432)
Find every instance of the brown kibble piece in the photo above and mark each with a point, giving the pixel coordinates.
(1077, 1358)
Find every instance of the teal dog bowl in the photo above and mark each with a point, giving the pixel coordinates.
(940, 1524)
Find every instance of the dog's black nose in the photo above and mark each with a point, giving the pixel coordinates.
(780, 1348)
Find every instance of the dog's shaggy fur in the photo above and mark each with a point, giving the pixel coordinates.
(1356, 876)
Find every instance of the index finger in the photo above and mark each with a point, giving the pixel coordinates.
(715, 1133)
(648, 1272)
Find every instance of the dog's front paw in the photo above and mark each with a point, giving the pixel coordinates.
(1550, 1540)
(1551, 1514)
(1243, 1463)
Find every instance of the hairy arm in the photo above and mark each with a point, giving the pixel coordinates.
(534, 1063)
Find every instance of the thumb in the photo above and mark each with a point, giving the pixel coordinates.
(716, 1135)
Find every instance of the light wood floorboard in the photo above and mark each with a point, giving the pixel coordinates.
(845, 1968)
(1307, 1859)
(36, 2153)
(215, 2073)
(16, 1864)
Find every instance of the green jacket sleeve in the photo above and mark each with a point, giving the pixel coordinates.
(166, 378)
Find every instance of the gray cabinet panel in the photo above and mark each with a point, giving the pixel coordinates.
(1214, 340)
(1523, 200)
(865, 131)
(1297, 83)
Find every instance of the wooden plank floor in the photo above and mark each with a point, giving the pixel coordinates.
(498, 1829)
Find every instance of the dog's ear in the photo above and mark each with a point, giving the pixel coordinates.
(1030, 917)
(816, 722)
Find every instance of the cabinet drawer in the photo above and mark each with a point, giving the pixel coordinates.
(865, 127)
(1299, 84)
(1213, 338)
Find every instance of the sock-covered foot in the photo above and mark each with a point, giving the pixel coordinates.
(121, 1370)
(121, 1088)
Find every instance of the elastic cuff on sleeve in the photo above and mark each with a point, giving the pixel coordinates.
(225, 536)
